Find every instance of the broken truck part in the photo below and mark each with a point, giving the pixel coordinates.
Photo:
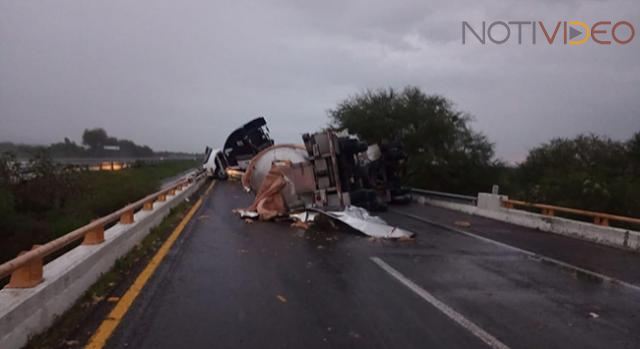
(239, 148)
(246, 141)
(214, 163)
(291, 162)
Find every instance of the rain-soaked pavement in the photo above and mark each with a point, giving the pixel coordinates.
(230, 284)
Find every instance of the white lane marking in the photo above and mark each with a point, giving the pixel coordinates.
(452, 314)
(534, 255)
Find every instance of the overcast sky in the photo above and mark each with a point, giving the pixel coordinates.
(180, 75)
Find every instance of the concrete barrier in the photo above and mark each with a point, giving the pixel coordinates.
(25, 312)
(488, 205)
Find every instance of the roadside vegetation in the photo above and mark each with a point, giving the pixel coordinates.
(96, 143)
(55, 200)
(589, 171)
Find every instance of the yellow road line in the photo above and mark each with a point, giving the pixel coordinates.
(108, 325)
(209, 189)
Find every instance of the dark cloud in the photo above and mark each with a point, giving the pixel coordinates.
(180, 75)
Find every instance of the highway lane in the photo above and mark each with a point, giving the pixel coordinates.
(231, 284)
(602, 259)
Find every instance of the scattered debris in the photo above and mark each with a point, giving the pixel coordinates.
(113, 299)
(354, 334)
(246, 213)
(304, 216)
(281, 298)
(462, 223)
(300, 225)
(594, 315)
(97, 299)
(234, 174)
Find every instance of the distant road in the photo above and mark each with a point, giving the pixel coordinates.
(92, 161)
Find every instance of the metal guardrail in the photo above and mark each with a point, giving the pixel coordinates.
(26, 270)
(599, 218)
(471, 200)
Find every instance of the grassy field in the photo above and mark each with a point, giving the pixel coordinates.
(85, 196)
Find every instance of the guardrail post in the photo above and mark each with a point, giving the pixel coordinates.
(601, 221)
(148, 206)
(162, 197)
(127, 217)
(94, 236)
(172, 191)
(28, 275)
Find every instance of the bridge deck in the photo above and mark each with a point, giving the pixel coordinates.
(230, 284)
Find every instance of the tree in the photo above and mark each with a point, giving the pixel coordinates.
(9, 168)
(444, 152)
(588, 171)
(95, 138)
(633, 149)
(64, 149)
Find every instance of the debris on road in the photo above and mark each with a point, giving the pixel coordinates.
(462, 223)
(300, 225)
(97, 299)
(359, 219)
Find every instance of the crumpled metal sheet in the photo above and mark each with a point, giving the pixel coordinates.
(359, 219)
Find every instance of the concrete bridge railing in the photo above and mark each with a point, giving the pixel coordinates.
(500, 207)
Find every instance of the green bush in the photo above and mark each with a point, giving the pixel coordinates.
(588, 172)
(444, 152)
(6, 204)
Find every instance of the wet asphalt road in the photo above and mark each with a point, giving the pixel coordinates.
(229, 284)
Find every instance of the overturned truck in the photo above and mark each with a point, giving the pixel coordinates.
(334, 175)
